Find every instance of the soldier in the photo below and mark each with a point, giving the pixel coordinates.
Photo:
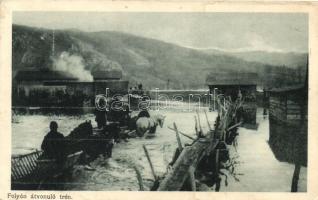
(53, 144)
(100, 114)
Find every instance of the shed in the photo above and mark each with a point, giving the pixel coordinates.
(288, 123)
(230, 84)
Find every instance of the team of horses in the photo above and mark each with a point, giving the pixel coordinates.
(83, 138)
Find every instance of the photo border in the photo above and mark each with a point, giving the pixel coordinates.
(8, 7)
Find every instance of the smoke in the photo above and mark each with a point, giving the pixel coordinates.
(72, 64)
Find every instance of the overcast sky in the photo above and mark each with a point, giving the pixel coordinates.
(229, 31)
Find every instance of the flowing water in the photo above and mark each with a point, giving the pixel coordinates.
(258, 170)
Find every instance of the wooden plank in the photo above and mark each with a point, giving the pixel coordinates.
(235, 125)
(186, 135)
(207, 120)
(196, 126)
(21, 167)
(14, 172)
(31, 162)
(178, 137)
(190, 156)
(18, 169)
(192, 178)
(217, 153)
(139, 178)
(199, 121)
(26, 167)
(150, 163)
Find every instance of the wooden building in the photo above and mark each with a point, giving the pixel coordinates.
(235, 84)
(61, 88)
(288, 123)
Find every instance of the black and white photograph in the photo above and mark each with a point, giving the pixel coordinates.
(159, 101)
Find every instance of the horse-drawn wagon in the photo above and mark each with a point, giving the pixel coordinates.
(29, 171)
(33, 170)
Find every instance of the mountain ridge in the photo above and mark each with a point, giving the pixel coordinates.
(288, 59)
(149, 61)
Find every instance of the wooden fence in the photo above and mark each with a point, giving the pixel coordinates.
(209, 147)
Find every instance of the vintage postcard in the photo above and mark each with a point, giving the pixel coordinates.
(193, 100)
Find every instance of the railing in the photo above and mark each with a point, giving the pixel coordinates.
(24, 165)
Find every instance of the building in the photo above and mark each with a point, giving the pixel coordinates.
(288, 123)
(233, 83)
(109, 79)
(61, 88)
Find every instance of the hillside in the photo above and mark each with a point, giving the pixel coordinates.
(143, 60)
(288, 59)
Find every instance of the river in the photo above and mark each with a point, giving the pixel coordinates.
(258, 169)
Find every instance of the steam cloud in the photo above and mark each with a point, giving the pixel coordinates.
(72, 64)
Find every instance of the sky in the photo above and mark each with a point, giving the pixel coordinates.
(273, 32)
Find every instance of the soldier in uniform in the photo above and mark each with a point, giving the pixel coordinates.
(100, 114)
(53, 144)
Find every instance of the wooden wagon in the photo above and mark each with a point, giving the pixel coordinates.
(29, 171)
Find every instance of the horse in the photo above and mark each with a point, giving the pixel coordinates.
(82, 131)
(133, 119)
(82, 138)
(149, 124)
(77, 139)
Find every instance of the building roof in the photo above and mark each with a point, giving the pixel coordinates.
(48, 75)
(107, 75)
(45, 75)
(232, 78)
(291, 88)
